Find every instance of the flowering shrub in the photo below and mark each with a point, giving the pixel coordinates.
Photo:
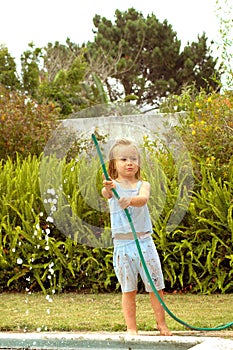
(207, 127)
(211, 128)
(25, 124)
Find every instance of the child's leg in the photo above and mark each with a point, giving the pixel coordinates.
(129, 311)
(159, 313)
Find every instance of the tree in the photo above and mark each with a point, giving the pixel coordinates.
(8, 74)
(63, 73)
(143, 55)
(60, 74)
(30, 61)
(196, 65)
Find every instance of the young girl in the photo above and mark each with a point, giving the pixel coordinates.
(124, 171)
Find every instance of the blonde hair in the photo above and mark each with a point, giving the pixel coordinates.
(112, 165)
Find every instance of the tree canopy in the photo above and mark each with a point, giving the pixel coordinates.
(145, 57)
(133, 58)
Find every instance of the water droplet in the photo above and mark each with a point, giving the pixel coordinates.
(49, 219)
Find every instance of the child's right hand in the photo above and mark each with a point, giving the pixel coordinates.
(108, 185)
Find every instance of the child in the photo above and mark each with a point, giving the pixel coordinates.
(124, 171)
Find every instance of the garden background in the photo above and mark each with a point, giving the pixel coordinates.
(60, 80)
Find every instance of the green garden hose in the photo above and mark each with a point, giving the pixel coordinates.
(218, 328)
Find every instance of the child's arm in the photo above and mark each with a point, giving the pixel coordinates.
(139, 200)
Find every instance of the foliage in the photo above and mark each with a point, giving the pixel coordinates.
(205, 235)
(135, 58)
(59, 74)
(8, 74)
(197, 66)
(34, 254)
(144, 56)
(197, 255)
(206, 127)
(224, 45)
(40, 252)
(30, 61)
(25, 125)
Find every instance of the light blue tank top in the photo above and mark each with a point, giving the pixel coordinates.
(140, 215)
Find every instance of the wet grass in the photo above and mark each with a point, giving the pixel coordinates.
(102, 312)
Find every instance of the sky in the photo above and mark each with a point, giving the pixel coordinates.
(43, 21)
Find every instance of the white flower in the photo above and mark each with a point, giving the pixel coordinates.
(19, 261)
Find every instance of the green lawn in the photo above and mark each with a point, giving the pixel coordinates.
(102, 312)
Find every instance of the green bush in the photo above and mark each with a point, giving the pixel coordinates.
(203, 242)
(197, 255)
(35, 254)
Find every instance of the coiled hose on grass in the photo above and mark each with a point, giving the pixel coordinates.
(217, 328)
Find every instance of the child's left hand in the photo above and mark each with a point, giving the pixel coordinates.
(124, 202)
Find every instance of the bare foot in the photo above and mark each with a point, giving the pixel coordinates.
(164, 330)
(132, 332)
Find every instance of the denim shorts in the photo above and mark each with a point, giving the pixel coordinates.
(127, 264)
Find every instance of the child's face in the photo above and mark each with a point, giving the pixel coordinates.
(126, 161)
